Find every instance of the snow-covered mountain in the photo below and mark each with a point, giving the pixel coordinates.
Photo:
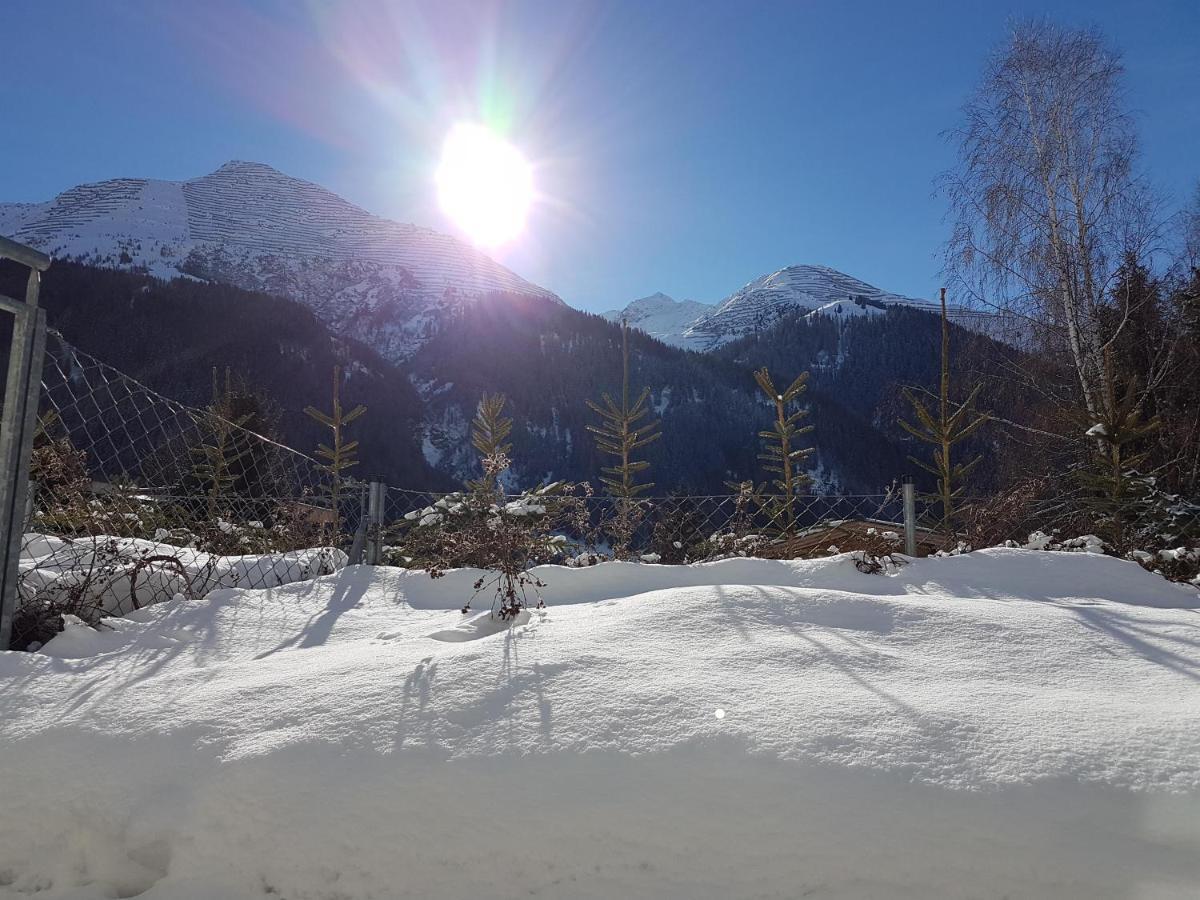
(661, 316)
(386, 283)
(794, 289)
(803, 288)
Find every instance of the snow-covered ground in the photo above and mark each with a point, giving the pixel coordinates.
(120, 574)
(1009, 723)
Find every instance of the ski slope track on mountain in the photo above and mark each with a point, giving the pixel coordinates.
(1008, 723)
(246, 224)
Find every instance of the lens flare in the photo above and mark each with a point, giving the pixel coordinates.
(484, 185)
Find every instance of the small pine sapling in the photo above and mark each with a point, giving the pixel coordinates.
(619, 433)
(216, 458)
(483, 528)
(343, 454)
(489, 436)
(1111, 478)
(781, 456)
(944, 430)
(623, 430)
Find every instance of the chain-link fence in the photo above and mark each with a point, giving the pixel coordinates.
(677, 528)
(1148, 524)
(1159, 530)
(135, 498)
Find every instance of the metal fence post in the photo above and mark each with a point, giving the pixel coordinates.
(18, 420)
(910, 516)
(376, 498)
(358, 546)
(30, 502)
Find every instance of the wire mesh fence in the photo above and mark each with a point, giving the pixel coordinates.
(1159, 530)
(670, 529)
(136, 498)
(1043, 513)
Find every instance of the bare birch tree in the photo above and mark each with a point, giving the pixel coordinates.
(1045, 197)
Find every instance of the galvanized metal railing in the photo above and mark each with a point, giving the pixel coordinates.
(18, 420)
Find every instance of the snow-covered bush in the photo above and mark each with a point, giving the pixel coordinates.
(1174, 563)
(1042, 514)
(86, 579)
(958, 549)
(729, 543)
(507, 536)
(1040, 540)
(92, 577)
(679, 533)
(107, 549)
(877, 553)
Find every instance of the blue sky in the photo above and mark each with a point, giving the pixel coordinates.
(684, 147)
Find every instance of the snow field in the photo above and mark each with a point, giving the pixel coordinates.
(1005, 723)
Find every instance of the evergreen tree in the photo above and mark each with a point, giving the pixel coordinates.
(216, 457)
(343, 454)
(623, 430)
(1111, 479)
(781, 456)
(619, 433)
(489, 436)
(944, 431)
(1179, 409)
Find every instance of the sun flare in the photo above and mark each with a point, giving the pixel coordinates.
(485, 185)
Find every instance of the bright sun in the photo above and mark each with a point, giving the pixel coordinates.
(484, 184)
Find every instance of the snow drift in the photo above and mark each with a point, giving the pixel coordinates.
(114, 574)
(1006, 723)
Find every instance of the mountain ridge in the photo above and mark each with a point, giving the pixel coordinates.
(807, 289)
(247, 230)
(251, 226)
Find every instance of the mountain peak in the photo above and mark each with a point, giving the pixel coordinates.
(807, 287)
(654, 301)
(249, 167)
(248, 224)
(803, 287)
(660, 315)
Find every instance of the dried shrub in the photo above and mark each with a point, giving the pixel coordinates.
(876, 552)
(506, 536)
(91, 578)
(679, 535)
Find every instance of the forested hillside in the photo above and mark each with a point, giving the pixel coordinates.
(866, 361)
(549, 359)
(546, 357)
(170, 336)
